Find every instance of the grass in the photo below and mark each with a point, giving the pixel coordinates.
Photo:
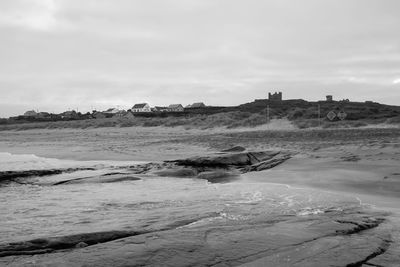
(226, 119)
(233, 119)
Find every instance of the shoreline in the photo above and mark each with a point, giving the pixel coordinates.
(315, 201)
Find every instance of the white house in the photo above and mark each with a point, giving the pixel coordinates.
(142, 107)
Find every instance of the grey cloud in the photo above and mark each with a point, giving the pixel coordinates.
(87, 53)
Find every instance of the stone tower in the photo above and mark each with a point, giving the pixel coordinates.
(275, 96)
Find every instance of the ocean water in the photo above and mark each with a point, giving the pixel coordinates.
(39, 209)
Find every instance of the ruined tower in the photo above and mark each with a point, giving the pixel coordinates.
(275, 96)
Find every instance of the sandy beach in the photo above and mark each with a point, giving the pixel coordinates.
(333, 202)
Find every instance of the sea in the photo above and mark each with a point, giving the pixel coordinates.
(34, 207)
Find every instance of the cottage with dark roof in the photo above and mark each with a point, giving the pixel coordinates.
(175, 108)
(196, 105)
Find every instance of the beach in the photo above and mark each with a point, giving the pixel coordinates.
(329, 197)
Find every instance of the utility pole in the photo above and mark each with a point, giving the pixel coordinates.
(319, 115)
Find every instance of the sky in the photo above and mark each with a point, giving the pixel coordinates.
(58, 55)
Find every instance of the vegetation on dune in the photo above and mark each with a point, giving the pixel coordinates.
(301, 117)
(227, 119)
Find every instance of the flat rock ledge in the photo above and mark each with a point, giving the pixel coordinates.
(352, 238)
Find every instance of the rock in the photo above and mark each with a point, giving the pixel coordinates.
(222, 161)
(10, 175)
(37, 246)
(51, 244)
(118, 178)
(263, 241)
(227, 160)
(182, 172)
(259, 156)
(100, 179)
(235, 149)
(81, 245)
(268, 164)
(218, 176)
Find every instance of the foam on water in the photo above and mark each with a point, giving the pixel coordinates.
(23, 162)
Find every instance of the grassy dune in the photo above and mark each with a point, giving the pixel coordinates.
(227, 119)
(234, 119)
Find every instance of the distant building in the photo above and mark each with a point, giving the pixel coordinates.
(175, 108)
(329, 98)
(114, 112)
(160, 109)
(196, 105)
(30, 113)
(142, 107)
(275, 96)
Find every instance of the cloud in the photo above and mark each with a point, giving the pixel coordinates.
(31, 14)
(62, 53)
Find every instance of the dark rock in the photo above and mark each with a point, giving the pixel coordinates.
(268, 164)
(100, 179)
(37, 246)
(118, 178)
(218, 176)
(361, 225)
(10, 175)
(113, 173)
(235, 149)
(182, 172)
(222, 161)
(351, 158)
(81, 245)
(227, 160)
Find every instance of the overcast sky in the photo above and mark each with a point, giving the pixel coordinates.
(57, 55)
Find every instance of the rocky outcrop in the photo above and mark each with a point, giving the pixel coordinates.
(11, 175)
(267, 164)
(221, 167)
(358, 226)
(177, 172)
(234, 149)
(228, 160)
(106, 178)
